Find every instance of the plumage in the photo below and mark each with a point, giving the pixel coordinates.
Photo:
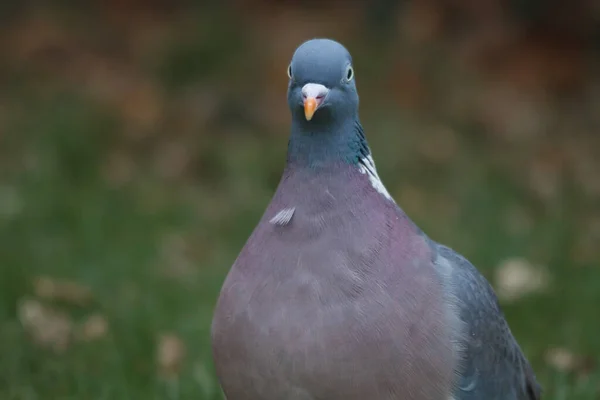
(337, 294)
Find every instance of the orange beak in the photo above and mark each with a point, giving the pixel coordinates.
(314, 95)
(310, 106)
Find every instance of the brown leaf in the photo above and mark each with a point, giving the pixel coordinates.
(517, 277)
(561, 359)
(62, 290)
(142, 105)
(565, 360)
(170, 354)
(47, 327)
(94, 327)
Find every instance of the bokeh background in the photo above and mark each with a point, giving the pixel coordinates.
(140, 141)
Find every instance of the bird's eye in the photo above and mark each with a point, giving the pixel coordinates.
(349, 73)
(289, 71)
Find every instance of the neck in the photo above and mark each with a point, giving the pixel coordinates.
(316, 144)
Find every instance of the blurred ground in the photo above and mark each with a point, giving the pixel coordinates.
(141, 140)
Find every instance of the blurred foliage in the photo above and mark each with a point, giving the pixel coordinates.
(141, 140)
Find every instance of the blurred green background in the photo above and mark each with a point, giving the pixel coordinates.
(140, 142)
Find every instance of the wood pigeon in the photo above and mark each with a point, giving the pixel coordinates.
(337, 294)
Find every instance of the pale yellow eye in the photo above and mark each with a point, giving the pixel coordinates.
(349, 73)
(289, 71)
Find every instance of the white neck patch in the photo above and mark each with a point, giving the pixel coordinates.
(367, 166)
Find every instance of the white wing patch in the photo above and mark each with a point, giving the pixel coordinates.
(367, 166)
(283, 217)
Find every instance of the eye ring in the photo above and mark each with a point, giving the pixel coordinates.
(289, 71)
(349, 73)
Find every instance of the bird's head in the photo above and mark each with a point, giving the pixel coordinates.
(321, 83)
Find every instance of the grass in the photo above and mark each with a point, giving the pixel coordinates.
(70, 224)
(81, 200)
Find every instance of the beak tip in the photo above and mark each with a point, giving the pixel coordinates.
(310, 106)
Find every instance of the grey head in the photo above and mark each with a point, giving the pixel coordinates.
(322, 88)
(323, 102)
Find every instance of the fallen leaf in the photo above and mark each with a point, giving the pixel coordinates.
(142, 104)
(170, 354)
(561, 359)
(564, 360)
(63, 290)
(93, 328)
(517, 277)
(48, 327)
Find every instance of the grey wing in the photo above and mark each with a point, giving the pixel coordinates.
(492, 365)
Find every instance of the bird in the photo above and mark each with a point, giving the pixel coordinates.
(337, 294)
